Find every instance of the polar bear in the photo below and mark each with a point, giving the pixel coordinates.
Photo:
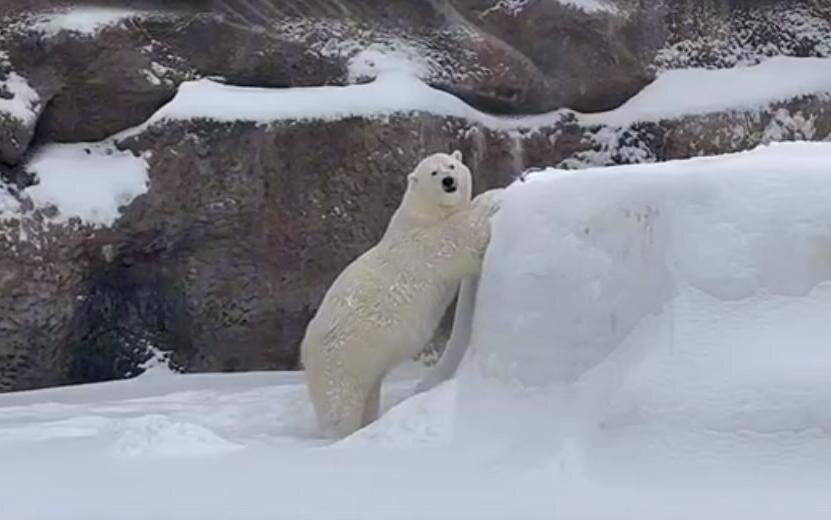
(384, 307)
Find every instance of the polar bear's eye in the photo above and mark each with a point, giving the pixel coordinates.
(452, 166)
(434, 174)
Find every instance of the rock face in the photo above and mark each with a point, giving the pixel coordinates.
(245, 223)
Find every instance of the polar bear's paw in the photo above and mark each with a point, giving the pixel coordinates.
(489, 202)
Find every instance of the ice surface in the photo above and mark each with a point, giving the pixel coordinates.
(681, 92)
(650, 342)
(86, 180)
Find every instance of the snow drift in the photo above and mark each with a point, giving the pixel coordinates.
(664, 327)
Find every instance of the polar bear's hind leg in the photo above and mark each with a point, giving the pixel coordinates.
(339, 400)
(347, 404)
(373, 405)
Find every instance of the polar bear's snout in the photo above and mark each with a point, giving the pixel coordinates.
(448, 184)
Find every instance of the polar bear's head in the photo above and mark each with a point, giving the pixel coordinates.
(438, 187)
(442, 181)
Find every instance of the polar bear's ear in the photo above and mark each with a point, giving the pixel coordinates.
(457, 155)
(412, 178)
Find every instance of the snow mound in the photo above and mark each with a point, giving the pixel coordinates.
(422, 420)
(677, 93)
(666, 318)
(88, 181)
(158, 436)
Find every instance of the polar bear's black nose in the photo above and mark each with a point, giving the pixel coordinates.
(449, 184)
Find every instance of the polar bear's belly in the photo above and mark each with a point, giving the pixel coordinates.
(390, 313)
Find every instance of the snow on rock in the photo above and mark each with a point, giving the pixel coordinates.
(87, 180)
(398, 90)
(662, 321)
(749, 36)
(511, 7)
(377, 60)
(9, 205)
(395, 92)
(18, 99)
(591, 6)
(515, 7)
(86, 20)
(785, 124)
(677, 93)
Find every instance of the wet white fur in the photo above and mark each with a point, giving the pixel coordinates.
(384, 307)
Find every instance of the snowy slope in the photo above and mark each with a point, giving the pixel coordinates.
(650, 342)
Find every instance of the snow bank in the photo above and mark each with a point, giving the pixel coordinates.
(593, 252)
(663, 325)
(677, 93)
(86, 20)
(87, 181)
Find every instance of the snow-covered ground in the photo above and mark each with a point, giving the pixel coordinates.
(650, 342)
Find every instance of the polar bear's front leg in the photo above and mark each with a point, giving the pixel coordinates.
(454, 351)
